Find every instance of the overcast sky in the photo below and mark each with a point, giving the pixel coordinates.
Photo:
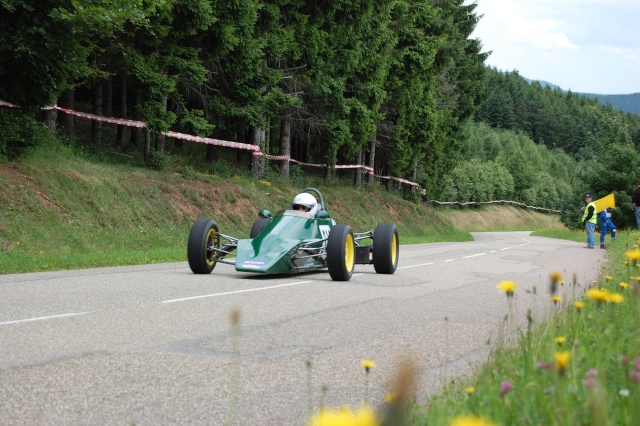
(587, 46)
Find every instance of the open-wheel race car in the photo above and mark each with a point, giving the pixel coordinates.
(301, 239)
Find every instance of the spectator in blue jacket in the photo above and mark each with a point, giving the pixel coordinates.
(606, 226)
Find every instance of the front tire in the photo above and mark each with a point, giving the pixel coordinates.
(258, 225)
(341, 253)
(386, 245)
(203, 240)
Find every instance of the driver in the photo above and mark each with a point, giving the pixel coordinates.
(304, 202)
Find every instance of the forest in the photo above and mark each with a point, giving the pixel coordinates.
(397, 86)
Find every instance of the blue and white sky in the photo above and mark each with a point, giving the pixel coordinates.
(587, 46)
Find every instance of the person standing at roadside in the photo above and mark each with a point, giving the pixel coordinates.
(635, 199)
(606, 226)
(589, 219)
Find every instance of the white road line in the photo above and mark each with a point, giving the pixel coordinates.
(42, 318)
(449, 260)
(233, 292)
(415, 266)
(473, 255)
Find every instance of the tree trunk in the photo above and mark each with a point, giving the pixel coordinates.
(285, 147)
(122, 109)
(257, 161)
(372, 157)
(49, 118)
(108, 98)
(160, 138)
(147, 147)
(415, 177)
(96, 126)
(357, 181)
(67, 100)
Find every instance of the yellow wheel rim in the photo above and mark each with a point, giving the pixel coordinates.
(394, 249)
(349, 253)
(210, 256)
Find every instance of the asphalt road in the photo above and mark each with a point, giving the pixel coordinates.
(153, 344)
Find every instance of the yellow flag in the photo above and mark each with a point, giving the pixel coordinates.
(605, 202)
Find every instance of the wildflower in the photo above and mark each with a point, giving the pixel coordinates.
(556, 299)
(634, 376)
(505, 387)
(562, 360)
(365, 416)
(636, 363)
(624, 392)
(561, 282)
(615, 298)
(633, 255)
(555, 277)
(545, 366)
(470, 390)
(368, 365)
(608, 277)
(391, 397)
(624, 359)
(592, 372)
(508, 287)
(560, 340)
(597, 295)
(579, 305)
(624, 285)
(470, 421)
(591, 382)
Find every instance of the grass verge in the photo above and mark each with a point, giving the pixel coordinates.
(582, 366)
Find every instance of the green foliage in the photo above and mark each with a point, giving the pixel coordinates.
(19, 131)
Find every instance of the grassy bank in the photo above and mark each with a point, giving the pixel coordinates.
(66, 210)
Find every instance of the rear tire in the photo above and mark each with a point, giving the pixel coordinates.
(341, 253)
(203, 239)
(258, 225)
(386, 245)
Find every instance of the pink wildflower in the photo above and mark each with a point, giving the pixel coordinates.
(634, 376)
(592, 373)
(505, 387)
(636, 362)
(591, 382)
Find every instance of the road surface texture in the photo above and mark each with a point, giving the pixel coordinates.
(153, 344)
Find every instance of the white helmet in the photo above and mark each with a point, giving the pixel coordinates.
(305, 199)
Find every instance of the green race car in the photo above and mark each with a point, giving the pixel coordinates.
(301, 239)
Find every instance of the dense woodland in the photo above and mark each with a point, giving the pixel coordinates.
(395, 85)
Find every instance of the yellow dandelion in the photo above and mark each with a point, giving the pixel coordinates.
(368, 365)
(562, 360)
(624, 285)
(597, 295)
(508, 287)
(615, 298)
(470, 421)
(470, 390)
(608, 277)
(561, 282)
(560, 340)
(391, 397)
(579, 305)
(556, 299)
(364, 416)
(633, 255)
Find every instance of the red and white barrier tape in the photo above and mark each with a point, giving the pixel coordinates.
(255, 149)
(212, 141)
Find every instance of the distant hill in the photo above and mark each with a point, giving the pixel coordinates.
(627, 103)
